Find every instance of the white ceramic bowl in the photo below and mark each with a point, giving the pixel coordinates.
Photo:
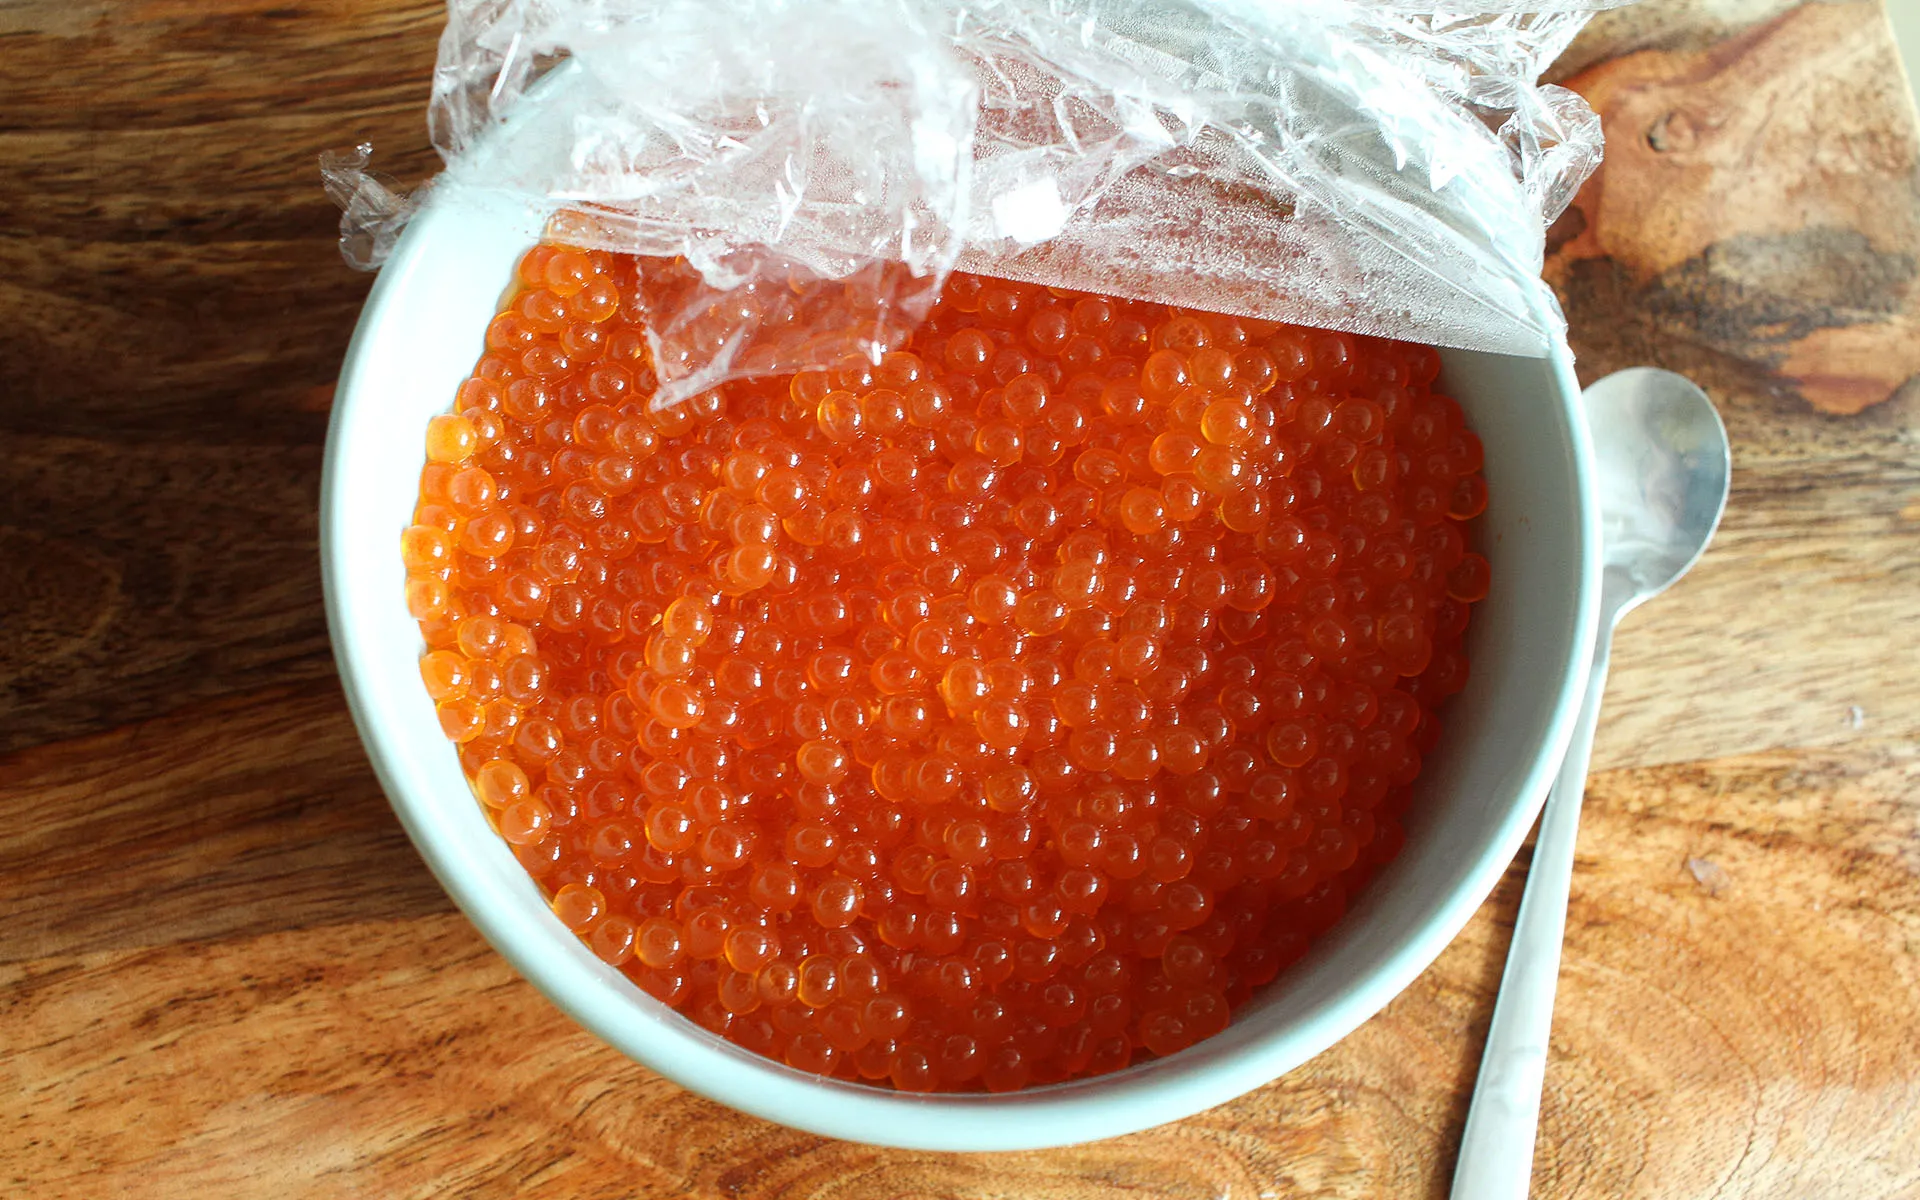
(421, 333)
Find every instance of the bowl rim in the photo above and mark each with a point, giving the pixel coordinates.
(1056, 1115)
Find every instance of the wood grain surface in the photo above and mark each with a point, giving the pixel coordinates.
(225, 972)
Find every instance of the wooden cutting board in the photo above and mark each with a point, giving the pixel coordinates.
(223, 971)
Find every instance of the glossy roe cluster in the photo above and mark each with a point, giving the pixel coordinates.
(999, 713)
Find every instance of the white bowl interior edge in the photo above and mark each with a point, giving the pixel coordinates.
(420, 335)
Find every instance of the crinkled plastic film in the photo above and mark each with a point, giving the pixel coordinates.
(801, 175)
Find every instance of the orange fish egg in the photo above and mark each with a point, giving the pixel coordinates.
(1003, 712)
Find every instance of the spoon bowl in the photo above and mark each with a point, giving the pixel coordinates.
(1664, 467)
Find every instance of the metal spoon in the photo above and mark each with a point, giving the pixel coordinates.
(1662, 459)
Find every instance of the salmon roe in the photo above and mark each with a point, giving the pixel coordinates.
(999, 713)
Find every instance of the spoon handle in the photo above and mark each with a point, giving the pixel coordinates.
(1496, 1151)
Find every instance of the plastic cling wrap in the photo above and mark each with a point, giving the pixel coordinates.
(810, 170)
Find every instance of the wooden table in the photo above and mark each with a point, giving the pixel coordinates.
(224, 972)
